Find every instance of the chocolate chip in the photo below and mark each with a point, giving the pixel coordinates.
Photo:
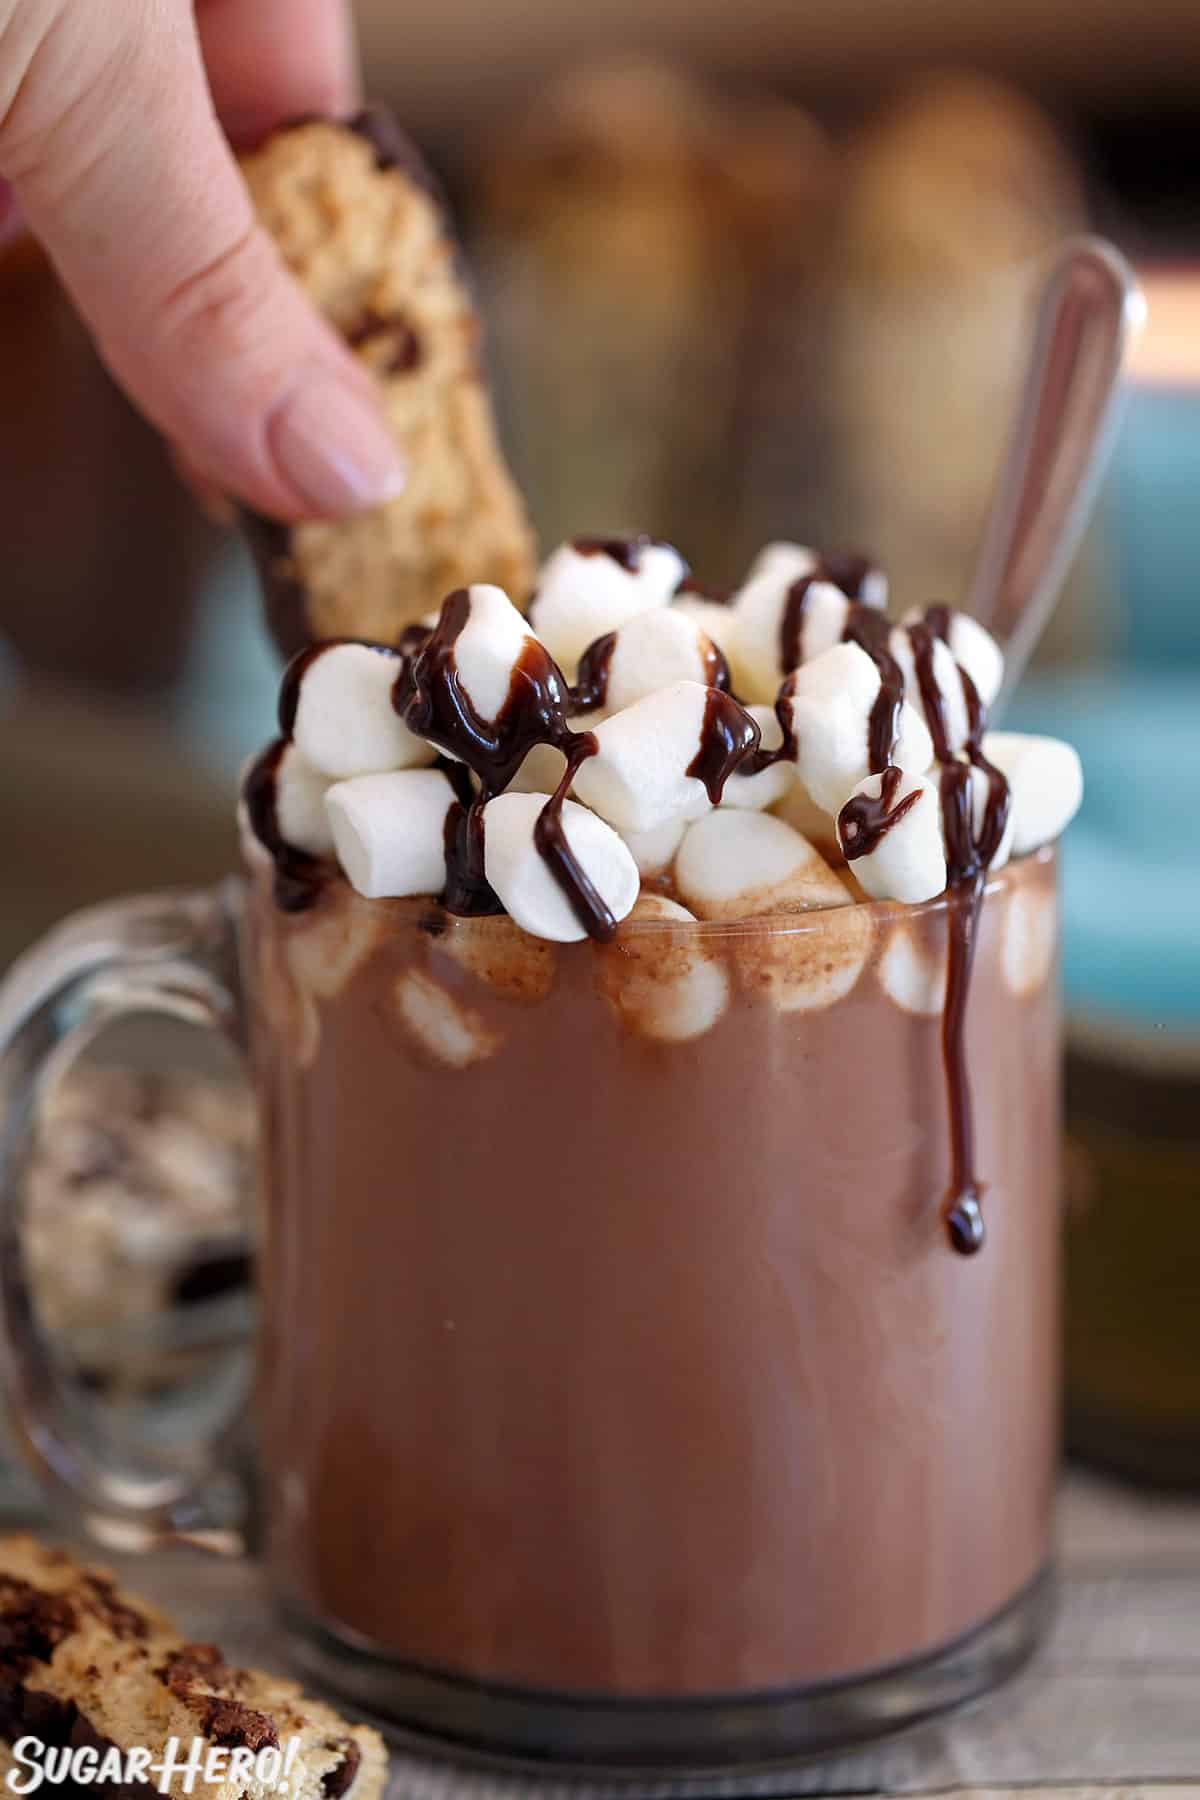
(232, 1724)
(404, 346)
(195, 1663)
(341, 1777)
(102, 1597)
(32, 1624)
(227, 1721)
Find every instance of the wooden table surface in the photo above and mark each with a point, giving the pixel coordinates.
(1110, 1704)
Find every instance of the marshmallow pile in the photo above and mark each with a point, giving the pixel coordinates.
(619, 687)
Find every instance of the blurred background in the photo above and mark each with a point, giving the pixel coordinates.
(748, 272)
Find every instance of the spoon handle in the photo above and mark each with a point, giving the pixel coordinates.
(1089, 311)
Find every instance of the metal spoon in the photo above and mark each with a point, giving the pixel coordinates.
(1089, 311)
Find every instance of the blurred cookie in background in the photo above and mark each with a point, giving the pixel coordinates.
(953, 198)
(638, 231)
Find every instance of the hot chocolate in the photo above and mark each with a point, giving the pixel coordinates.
(610, 1295)
(640, 1365)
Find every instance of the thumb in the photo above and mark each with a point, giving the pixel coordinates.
(115, 154)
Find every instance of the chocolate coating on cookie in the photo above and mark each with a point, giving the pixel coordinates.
(284, 600)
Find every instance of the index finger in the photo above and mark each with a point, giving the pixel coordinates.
(270, 61)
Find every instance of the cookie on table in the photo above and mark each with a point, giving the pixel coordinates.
(84, 1662)
(359, 223)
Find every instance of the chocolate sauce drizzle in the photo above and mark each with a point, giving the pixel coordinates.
(625, 552)
(590, 691)
(430, 698)
(591, 678)
(727, 737)
(862, 824)
(871, 631)
(302, 662)
(299, 877)
(846, 571)
(865, 626)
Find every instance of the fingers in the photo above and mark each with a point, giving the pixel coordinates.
(270, 61)
(117, 159)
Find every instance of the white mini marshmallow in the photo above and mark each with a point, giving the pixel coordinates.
(799, 810)
(389, 831)
(909, 861)
(712, 616)
(974, 649)
(755, 793)
(981, 790)
(759, 610)
(1030, 937)
(320, 954)
(786, 562)
(1046, 778)
(654, 851)
(581, 595)
(344, 722)
(653, 650)
(791, 562)
(638, 778)
(911, 975)
(736, 865)
(497, 952)
(830, 702)
(660, 976)
(874, 589)
(329, 943)
(807, 962)
(522, 880)
(300, 814)
(947, 680)
(440, 1025)
(489, 647)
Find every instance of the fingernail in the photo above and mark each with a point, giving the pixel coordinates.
(332, 446)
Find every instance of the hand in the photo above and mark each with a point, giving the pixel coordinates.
(109, 137)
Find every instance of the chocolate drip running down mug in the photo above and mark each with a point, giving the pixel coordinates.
(678, 1433)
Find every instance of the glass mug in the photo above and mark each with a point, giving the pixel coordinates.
(619, 1398)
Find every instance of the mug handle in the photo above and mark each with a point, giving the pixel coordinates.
(173, 954)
